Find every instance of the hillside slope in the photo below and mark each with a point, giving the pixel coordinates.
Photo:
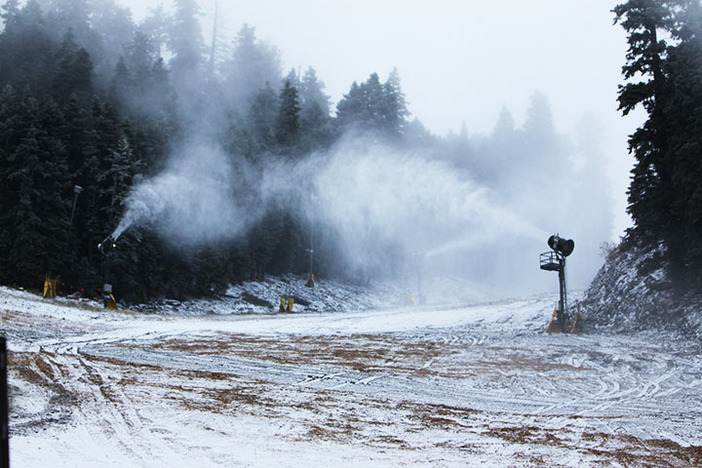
(633, 292)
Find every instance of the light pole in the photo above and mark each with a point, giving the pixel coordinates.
(310, 276)
(50, 284)
(76, 191)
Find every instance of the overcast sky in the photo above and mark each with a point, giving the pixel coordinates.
(459, 61)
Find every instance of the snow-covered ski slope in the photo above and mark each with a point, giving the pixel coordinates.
(478, 385)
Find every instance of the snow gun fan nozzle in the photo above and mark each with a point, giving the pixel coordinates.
(563, 246)
(107, 246)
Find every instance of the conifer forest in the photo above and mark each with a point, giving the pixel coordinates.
(92, 105)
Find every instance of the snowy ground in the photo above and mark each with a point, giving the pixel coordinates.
(431, 386)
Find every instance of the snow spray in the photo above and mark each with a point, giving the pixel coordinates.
(193, 201)
(380, 205)
(376, 196)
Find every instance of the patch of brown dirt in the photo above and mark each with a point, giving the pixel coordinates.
(378, 353)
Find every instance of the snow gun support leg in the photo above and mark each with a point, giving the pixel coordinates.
(557, 323)
(286, 304)
(49, 288)
(578, 320)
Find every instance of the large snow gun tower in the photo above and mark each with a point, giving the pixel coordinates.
(555, 260)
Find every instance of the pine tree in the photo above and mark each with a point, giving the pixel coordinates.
(684, 122)
(185, 42)
(26, 51)
(10, 135)
(121, 86)
(38, 217)
(374, 107)
(651, 189)
(262, 118)
(253, 65)
(115, 180)
(156, 28)
(349, 108)
(504, 143)
(315, 129)
(74, 73)
(140, 56)
(287, 125)
(100, 140)
(395, 111)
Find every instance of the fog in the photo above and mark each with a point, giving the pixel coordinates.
(388, 209)
(460, 62)
(480, 202)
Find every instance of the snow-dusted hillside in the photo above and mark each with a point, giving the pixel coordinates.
(435, 386)
(632, 292)
(326, 296)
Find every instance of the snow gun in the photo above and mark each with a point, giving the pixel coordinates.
(107, 246)
(555, 260)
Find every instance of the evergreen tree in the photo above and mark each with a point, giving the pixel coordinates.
(107, 16)
(262, 118)
(684, 122)
(394, 111)
(121, 85)
(650, 192)
(11, 14)
(315, 121)
(26, 51)
(38, 216)
(140, 54)
(350, 108)
(74, 73)
(79, 17)
(185, 42)
(372, 115)
(73, 134)
(504, 141)
(10, 135)
(74, 15)
(287, 125)
(186, 35)
(100, 140)
(312, 94)
(374, 107)
(253, 65)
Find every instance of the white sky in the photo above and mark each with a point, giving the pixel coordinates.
(460, 61)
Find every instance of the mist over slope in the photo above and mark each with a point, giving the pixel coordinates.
(209, 171)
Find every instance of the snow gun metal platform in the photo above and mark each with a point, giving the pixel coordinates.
(555, 260)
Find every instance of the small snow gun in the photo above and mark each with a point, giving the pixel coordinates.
(107, 246)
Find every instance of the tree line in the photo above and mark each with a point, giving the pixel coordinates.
(90, 99)
(97, 106)
(663, 73)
